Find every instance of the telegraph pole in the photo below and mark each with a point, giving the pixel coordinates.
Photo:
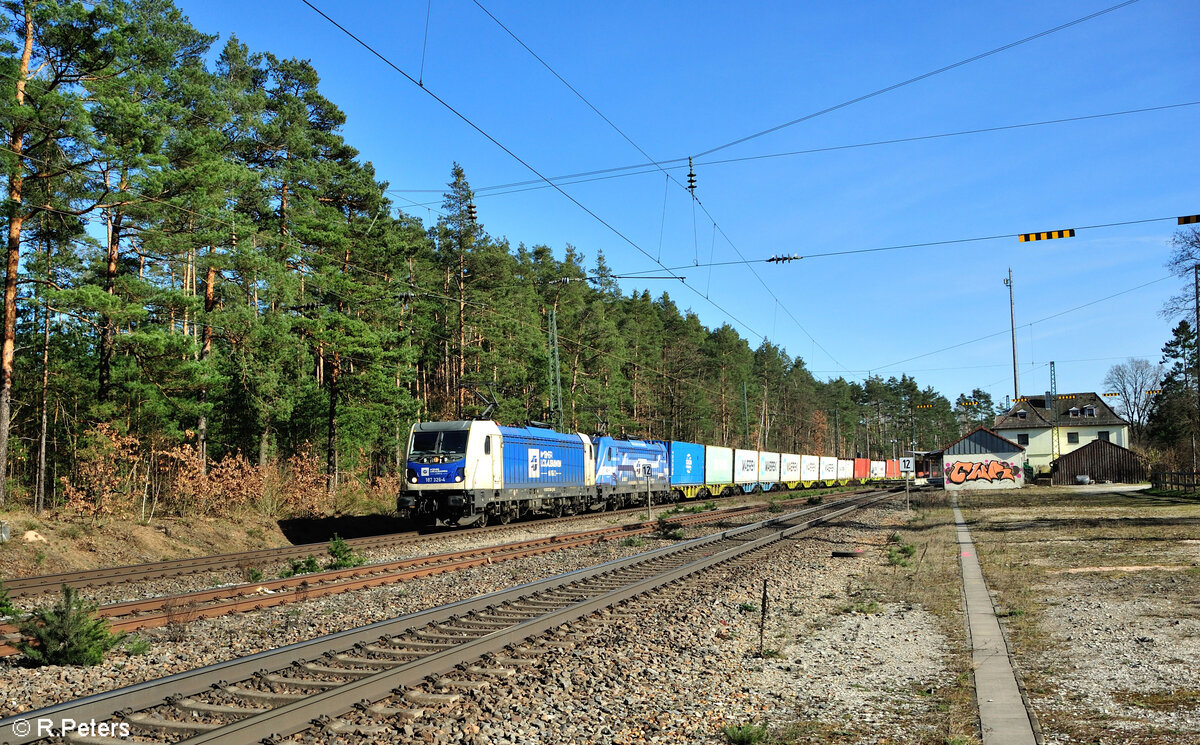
(1012, 317)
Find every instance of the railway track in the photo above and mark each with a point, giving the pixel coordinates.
(108, 576)
(393, 670)
(184, 608)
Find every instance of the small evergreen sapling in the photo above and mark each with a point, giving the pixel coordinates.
(68, 633)
(7, 609)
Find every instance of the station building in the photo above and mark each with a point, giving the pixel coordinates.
(1079, 417)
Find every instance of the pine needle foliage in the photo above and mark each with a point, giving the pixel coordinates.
(7, 609)
(67, 633)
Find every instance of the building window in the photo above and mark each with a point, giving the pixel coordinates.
(1102, 435)
(1073, 438)
(1089, 411)
(1073, 411)
(1021, 414)
(1022, 439)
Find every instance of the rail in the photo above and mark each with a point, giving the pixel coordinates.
(407, 650)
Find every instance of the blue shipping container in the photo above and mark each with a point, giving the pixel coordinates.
(687, 464)
(619, 462)
(535, 457)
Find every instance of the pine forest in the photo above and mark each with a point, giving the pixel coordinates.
(210, 302)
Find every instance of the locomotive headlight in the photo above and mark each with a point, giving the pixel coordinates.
(460, 474)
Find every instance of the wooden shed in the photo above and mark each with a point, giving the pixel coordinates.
(1099, 460)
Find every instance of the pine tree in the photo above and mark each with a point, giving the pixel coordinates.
(67, 633)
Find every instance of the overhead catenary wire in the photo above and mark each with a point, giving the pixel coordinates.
(640, 169)
(466, 120)
(925, 244)
(690, 188)
(917, 79)
(1030, 323)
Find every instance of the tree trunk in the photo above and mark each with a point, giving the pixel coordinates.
(107, 326)
(16, 217)
(39, 501)
(210, 304)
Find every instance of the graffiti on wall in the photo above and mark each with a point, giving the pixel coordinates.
(989, 470)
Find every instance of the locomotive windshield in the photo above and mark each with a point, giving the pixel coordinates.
(447, 442)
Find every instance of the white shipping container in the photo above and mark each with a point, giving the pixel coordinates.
(718, 466)
(745, 466)
(789, 467)
(810, 468)
(768, 467)
(828, 468)
(845, 469)
(878, 469)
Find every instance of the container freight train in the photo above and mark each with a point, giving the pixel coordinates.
(477, 472)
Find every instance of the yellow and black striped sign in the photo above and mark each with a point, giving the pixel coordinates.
(1153, 392)
(1069, 233)
(923, 406)
(1189, 219)
(1110, 394)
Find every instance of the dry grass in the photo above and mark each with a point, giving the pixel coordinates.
(932, 580)
(1027, 540)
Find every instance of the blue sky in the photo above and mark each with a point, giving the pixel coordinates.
(681, 78)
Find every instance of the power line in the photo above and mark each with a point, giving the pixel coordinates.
(917, 79)
(905, 246)
(1030, 323)
(690, 188)
(640, 169)
(517, 158)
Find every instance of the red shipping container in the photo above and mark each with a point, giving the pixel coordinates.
(893, 469)
(862, 468)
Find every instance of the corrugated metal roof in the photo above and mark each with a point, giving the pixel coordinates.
(983, 442)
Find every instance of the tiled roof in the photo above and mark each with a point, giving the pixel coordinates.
(1039, 416)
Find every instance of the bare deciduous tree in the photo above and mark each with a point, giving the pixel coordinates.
(1130, 380)
(1185, 256)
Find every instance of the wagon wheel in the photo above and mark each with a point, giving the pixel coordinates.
(482, 520)
(505, 516)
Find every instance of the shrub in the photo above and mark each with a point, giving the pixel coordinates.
(342, 555)
(747, 607)
(744, 734)
(307, 565)
(68, 633)
(815, 499)
(710, 506)
(6, 607)
(774, 507)
(633, 542)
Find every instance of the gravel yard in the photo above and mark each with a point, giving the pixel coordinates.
(680, 666)
(204, 642)
(1099, 596)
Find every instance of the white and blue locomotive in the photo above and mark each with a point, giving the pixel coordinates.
(476, 472)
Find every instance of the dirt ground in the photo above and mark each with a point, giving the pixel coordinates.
(1098, 591)
(47, 545)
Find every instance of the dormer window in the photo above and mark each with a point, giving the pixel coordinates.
(1021, 414)
(1073, 412)
(1089, 411)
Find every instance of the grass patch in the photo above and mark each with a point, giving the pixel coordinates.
(747, 608)
(633, 542)
(744, 734)
(865, 607)
(1160, 700)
